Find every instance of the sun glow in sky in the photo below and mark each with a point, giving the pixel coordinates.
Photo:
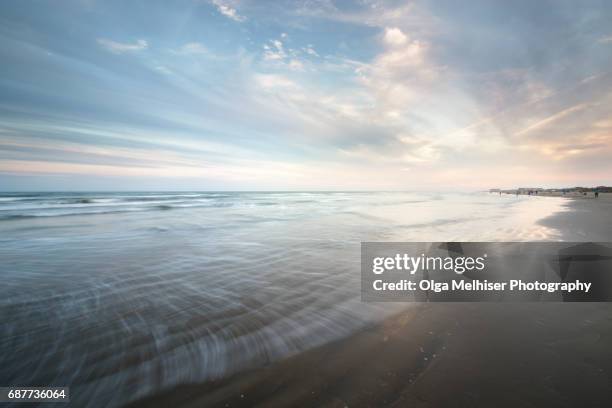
(315, 94)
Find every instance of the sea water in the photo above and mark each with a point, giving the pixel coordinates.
(120, 295)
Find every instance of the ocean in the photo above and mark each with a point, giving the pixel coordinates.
(121, 295)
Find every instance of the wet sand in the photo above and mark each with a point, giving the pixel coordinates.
(445, 355)
(437, 355)
(584, 220)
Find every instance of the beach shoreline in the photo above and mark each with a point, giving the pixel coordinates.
(444, 355)
(436, 355)
(587, 219)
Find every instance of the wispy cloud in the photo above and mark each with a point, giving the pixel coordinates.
(605, 40)
(227, 10)
(275, 52)
(310, 50)
(120, 48)
(540, 124)
(192, 48)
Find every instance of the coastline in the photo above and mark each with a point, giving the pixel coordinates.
(436, 355)
(445, 355)
(585, 219)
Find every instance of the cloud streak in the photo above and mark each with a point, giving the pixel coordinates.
(543, 123)
(228, 11)
(121, 48)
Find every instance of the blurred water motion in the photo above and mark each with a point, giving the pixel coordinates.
(122, 294)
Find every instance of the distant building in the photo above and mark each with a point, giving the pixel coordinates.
(527, 190)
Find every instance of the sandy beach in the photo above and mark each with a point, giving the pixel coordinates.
(445, 355)
(584, 219)
(437, 355)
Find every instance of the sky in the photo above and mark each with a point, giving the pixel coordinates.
(304, 95)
